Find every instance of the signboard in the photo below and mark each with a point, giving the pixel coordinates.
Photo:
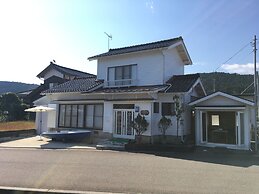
(144, 112)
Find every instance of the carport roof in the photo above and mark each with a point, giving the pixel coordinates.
(235, 98)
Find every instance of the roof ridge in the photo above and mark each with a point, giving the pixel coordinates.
(139, 47)
(71, 69)
(187, 75)
(150, 43)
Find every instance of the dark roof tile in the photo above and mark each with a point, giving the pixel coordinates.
(140, 47)
(182, 83)
(132, 89)
(76, 85)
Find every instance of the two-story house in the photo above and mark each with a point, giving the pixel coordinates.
(141, 79)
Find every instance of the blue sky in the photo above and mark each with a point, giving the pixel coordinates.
(35, 32)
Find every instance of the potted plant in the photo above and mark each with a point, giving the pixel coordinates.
(140, 125)
(163, 125)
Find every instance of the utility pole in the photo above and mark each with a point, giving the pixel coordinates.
(255, 93)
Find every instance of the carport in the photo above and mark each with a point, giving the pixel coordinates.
(223, 120)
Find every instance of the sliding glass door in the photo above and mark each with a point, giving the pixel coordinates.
(222, 127)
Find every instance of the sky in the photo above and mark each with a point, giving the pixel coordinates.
(33, 33)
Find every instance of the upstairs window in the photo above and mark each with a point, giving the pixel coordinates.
(121, 75)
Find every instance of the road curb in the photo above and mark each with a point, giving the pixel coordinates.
(24, 190)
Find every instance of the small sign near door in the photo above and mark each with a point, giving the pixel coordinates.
(144, 112)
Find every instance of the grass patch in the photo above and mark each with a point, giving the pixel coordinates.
(17, 125)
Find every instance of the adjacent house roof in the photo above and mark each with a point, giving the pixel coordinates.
(64, 70)
(140, 47)
(182, 83)
(76, 85)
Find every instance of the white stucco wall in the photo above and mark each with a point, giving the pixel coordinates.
(153, 67)
(172, 130)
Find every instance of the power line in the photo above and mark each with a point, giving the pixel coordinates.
(233, 56)
(214, 80)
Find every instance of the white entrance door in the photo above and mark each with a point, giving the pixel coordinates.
(122, 123)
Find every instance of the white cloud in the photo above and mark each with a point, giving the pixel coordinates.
(239, 68)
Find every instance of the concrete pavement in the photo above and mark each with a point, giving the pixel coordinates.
(43, 143)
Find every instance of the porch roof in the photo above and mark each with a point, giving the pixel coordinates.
(228, 96)
(132, 89)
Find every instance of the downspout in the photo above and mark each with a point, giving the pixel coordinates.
(182, 121)
(163, 66)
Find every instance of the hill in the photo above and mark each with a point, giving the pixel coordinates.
(15, 87)
(225, 82)
(230, 83)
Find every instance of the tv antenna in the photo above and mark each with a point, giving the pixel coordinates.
(109, 36)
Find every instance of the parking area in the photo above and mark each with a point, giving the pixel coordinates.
(43, 143)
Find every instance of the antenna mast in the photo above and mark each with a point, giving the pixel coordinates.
(109, 36)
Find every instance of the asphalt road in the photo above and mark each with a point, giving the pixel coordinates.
(111, 171)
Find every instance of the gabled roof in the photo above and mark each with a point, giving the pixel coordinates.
(76, 85)
(182, 83)
(142, 47)
(65, 70)
(235, 98)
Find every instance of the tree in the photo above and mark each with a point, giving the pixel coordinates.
(12, 106)
(163, 125)
(140, 125)
(178, 111)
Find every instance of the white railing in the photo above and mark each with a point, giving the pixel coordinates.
(120, 83)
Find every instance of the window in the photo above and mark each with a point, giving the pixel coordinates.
(68, 116)
(168, 109)
(62, 115)
(74, 116)
(121, 75)
(81, 116)
(123, 106)
(98, 116)
(156, 107)
(89, 117)
(215, 120)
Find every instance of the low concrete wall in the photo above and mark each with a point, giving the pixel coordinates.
(18, 133)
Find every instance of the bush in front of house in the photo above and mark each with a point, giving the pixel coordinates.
(163, 125)
(140, 125)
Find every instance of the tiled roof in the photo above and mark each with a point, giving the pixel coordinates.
(178, 83)
(76, 85)
(132, 89)
(140, 47)
(182, 83)
(66, 71)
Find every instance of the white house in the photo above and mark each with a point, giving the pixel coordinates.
(141, 79)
